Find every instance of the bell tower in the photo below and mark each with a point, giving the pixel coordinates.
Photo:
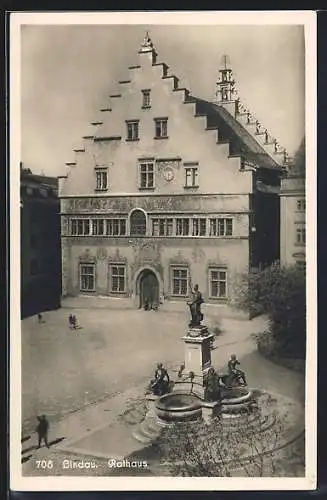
(226, 94)
(226, 84)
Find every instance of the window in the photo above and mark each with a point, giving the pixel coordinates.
(138, 223)
(132, 130)
(300, 205)
(87, 277)
(98, 227)
(224, 94)
(161, 127)
(218, 283)
(221, 227)
(146, 99)
(182, 227)
(146, 175)
(115, 227)
(117, 278)
(162, 227)
(179, 281)
(191, 177)
(101, 175)
(73, 227)
(199, 227)
(300, 235)
(80, 227)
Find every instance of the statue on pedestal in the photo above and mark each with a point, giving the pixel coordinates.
(195, 307)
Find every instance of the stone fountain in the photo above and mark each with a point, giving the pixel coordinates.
(188, 399)
(231, 407)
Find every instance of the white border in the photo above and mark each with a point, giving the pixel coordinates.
(17, 481)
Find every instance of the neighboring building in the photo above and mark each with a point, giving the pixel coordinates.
(168, 188)
(292, 212)
(40, 243)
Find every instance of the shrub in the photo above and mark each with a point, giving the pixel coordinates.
(280, 293)
(219, 449)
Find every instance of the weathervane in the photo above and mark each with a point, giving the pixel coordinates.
(225, 61)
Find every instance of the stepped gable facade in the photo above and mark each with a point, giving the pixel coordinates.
(168, 190)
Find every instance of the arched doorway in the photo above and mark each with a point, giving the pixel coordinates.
(149, 289)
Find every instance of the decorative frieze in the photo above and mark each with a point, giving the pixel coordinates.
(124, 204)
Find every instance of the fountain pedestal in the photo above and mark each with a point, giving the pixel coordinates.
(197, 359)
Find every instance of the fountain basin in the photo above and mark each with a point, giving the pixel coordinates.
(237, 400)
(177, 406)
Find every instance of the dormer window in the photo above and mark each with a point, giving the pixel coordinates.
(146, 99)
(132, 130)
(161, 128)
(101, 176)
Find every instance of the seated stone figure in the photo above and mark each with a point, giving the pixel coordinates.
(212, 391)
(236, 376)
(160, 384)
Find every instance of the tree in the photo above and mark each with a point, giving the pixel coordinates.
(225, 447)
(279, 292)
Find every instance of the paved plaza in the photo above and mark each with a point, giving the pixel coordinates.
(83, 379)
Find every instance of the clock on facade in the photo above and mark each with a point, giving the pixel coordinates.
(168, 174)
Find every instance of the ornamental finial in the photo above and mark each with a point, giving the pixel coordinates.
(147, 44)
(225, 61)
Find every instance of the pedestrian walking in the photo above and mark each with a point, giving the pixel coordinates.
(42, 430)
(71, 321)
(40, 318)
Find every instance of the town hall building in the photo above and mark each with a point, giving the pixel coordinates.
(169, 190)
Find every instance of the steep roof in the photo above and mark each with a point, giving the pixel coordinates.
(249, 147)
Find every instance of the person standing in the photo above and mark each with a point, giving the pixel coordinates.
(71, 321)
(42, 430)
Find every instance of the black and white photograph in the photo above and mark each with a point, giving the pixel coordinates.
(163, 326)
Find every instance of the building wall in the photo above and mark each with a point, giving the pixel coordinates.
(224, 190)
(187, 139)
(159, 256)
(160, 253)
(40, 248)
(292, 218)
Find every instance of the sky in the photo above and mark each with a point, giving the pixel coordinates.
(68, 71)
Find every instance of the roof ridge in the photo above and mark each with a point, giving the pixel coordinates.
(255, 149)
